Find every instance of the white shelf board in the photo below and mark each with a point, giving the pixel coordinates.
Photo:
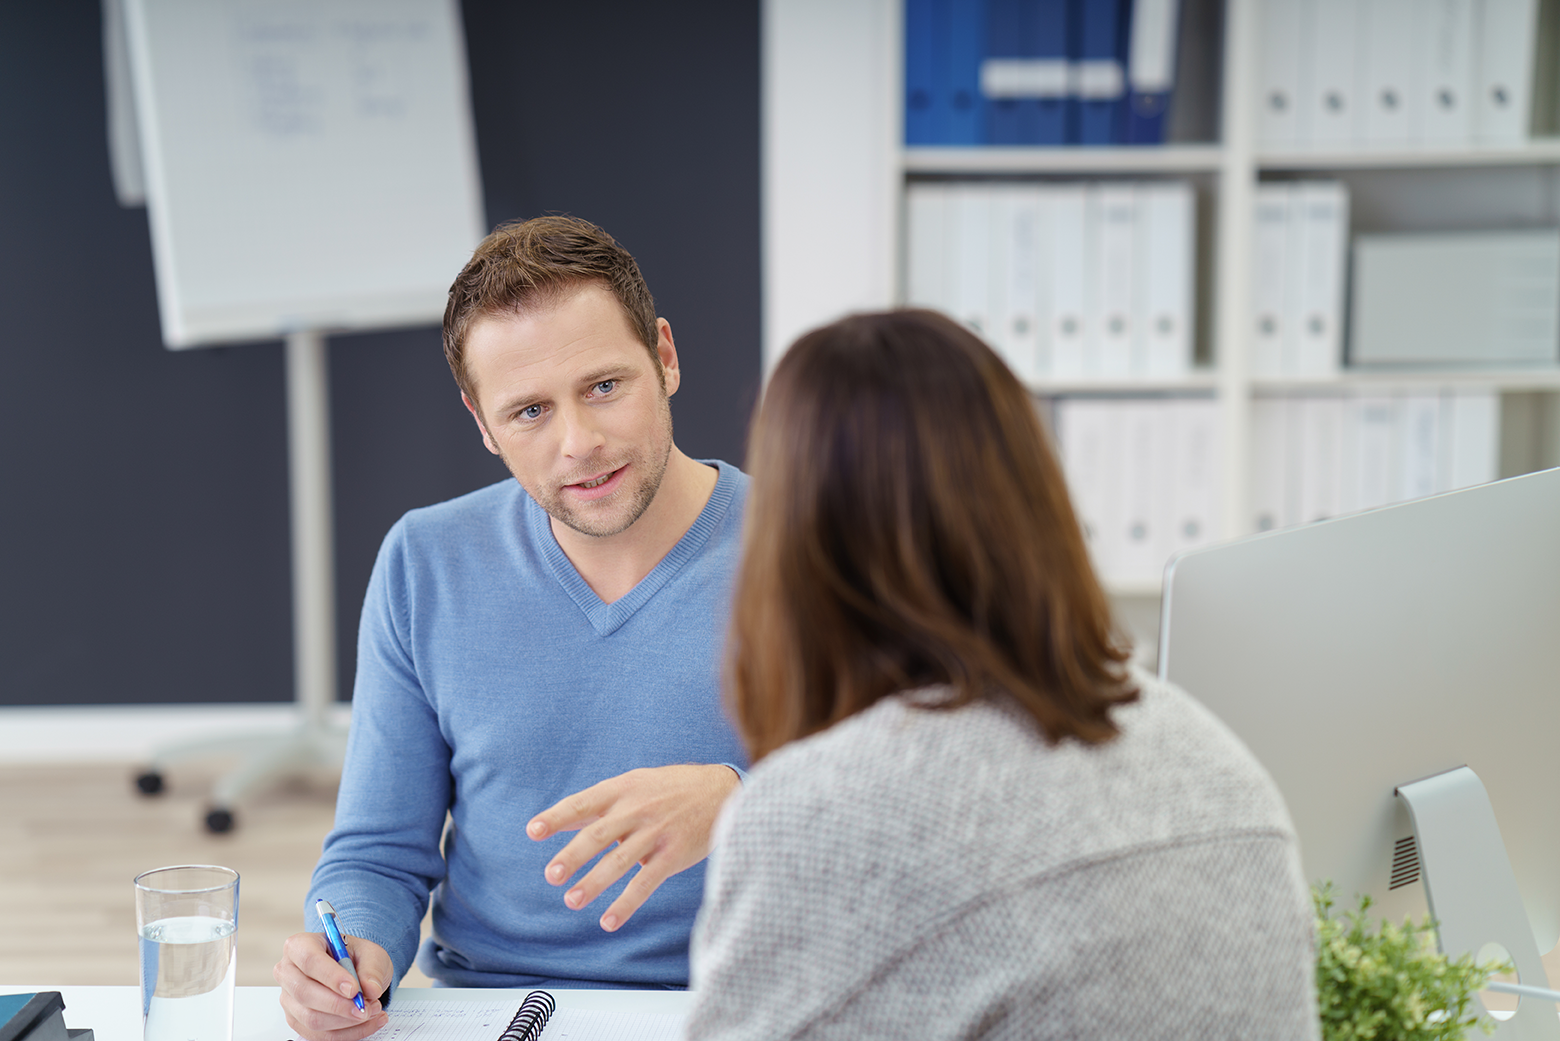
(1506, 379)
(1536, 152)
(1067, 159)
(1134, 590)
(1199, 380)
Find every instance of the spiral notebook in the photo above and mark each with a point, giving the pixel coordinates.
(537, 1019)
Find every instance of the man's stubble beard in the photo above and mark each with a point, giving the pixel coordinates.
(652, 471)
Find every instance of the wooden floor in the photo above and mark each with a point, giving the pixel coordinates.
(73, 837)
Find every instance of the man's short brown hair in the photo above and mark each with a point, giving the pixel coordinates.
(524, 266)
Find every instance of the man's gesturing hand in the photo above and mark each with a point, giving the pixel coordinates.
(660, 818)
(317, 993)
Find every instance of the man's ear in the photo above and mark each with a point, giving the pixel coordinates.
(487, 438)
(666, 350)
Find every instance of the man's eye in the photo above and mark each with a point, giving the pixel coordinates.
(531, 412)
(605, 386)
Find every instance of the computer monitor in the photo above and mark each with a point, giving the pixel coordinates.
(1358, 654)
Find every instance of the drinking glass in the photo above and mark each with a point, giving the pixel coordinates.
(187, 916)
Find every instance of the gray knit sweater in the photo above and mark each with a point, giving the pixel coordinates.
(912, 873)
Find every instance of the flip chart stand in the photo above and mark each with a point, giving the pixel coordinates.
(315, 743)
(1472, 891)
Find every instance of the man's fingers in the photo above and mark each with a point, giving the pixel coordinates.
(315, 1022)
(613, 865)
(574, 811)
(645, 881)
(618, 827)
(373, 964)
(658, 817)
(305, 996)
(305, 1027)
(308, 952)
(317, 993)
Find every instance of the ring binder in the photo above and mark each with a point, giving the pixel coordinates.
(531, 1019)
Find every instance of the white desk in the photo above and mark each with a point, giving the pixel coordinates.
(114, 1013)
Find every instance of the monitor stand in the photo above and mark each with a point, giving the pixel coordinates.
(1473, 895)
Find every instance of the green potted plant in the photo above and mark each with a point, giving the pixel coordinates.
(1392, 984)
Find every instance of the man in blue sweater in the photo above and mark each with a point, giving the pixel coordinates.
(536, 658)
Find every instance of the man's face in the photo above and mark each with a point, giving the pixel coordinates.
(570, 400)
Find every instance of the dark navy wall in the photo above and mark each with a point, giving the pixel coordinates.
(143, 494)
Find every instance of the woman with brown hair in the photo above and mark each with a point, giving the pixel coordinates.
(969, 816)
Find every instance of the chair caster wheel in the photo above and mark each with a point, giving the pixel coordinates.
(219, 821)
(149, 783)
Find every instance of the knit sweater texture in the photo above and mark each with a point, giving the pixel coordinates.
(920, 873)
(493, 682)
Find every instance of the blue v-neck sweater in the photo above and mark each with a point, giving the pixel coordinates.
(491, 683)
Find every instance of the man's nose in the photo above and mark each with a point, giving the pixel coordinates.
(581, 434)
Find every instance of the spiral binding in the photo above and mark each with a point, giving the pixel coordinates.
(531, 1020)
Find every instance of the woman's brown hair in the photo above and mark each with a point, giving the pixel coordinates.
(909, 525)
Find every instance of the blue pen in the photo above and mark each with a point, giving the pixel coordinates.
(338, 946)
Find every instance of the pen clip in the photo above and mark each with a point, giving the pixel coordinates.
(327, 913)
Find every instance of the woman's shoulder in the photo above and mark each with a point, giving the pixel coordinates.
(868, 773)
(883, 743)
(1174, 769)
(1191, 746)
(1162, 722)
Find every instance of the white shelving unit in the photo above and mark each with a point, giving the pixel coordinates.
(1514, 381)
(1418, 189)
(1198, 380)
(1537, 152)
(1051, 161)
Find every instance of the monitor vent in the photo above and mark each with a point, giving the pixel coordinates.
(1405, 863)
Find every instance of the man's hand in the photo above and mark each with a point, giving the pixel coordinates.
(660, 818)
(317, 993)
